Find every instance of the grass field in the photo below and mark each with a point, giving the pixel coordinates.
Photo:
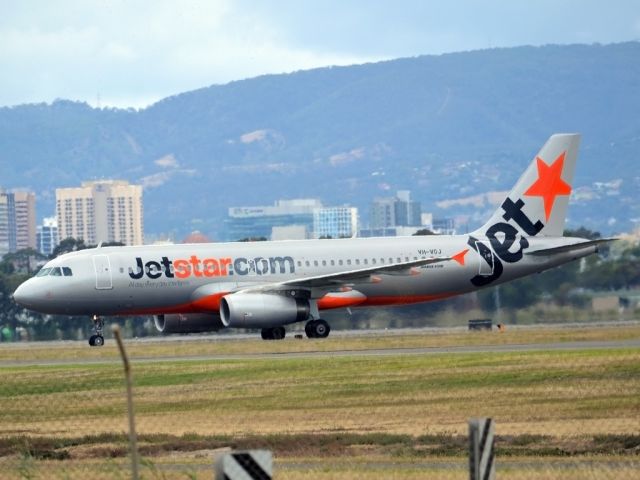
(559, 413)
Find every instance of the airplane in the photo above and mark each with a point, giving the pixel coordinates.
(193, 288)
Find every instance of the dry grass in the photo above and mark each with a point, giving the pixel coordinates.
(220, 345)
(569, 397)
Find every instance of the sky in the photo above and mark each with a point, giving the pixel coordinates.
(133, 53)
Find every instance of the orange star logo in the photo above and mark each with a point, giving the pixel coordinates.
(459, 257)
(549, 183)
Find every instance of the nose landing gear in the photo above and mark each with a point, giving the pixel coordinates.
(97, 340)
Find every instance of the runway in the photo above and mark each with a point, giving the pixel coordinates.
(464, 349)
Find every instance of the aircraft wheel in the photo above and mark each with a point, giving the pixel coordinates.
(92, 340)
(317, 329)
(308, 329)
(321, 329)
(278, 333)
(98, 341)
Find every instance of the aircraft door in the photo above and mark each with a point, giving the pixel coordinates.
(486, 259)
(102, 266)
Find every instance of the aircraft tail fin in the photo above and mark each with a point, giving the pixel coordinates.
(538, 202)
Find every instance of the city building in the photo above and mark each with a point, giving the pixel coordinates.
(25, 212)
(101, 211)
(47, 236)
(398, 211)
(256, 222)
(17, 221)
(389, 232)
(444, 226)
(290, 232)
(335, 222)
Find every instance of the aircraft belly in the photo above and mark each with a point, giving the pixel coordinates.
(429, 285)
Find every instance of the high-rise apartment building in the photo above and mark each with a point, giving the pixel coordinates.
(47, 236)
(335, 222)
(25, 206)
(398, 211)
(101, 211)
(17, 221)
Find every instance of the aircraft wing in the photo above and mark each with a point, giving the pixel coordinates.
(331, 280)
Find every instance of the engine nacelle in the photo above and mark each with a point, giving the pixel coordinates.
(187, 323)
(259, 310)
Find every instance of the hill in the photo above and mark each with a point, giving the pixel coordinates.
(446, 127)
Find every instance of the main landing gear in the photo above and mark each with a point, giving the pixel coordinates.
(275, 333)
(317, 329)
(314, 329)
(97, 340)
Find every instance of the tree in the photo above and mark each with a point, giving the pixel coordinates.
(424, 231)
(22, 261)
(68, 245)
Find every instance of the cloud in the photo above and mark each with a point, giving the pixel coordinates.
(168, 161)
(132, 53)
(156, 180)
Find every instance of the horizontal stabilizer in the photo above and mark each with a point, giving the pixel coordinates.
(571, 247)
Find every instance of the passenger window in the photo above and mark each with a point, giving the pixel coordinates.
(349, 261)
(307, 263)
(315, 263)
(56, 272)
(415, 258)
(333, 262)
(44, 272)
(340, 262)
(366, 261)
(357, 261)
(299, 263)
(373, 261)
(406, 259)
(67, 271)
(324, 263)
(399, 260)
(390, 260)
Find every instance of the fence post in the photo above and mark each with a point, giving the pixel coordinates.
(243, 465)
(133, 442)
(481, 455)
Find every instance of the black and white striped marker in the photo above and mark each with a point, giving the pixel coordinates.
(245, 465)
(481, 455)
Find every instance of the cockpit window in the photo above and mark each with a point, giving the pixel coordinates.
(67, 271)
(56, 272)
(44, 272)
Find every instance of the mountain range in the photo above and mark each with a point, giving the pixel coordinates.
(454, 129)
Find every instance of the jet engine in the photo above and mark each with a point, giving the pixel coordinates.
(258, 310)
(187, 323)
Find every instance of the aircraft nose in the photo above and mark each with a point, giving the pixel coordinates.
(24, 294)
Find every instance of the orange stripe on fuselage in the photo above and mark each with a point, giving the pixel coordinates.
(211, 303)
(329, 302)
(208, 304)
